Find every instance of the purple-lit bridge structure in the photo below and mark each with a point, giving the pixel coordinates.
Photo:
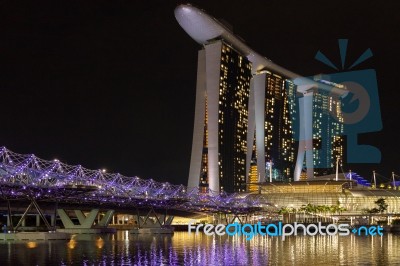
(56, 189)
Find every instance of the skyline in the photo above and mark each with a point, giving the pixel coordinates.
(90, 62)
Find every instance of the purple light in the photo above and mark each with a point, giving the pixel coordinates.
(73, 184)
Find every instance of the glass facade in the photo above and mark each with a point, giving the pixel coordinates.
(204, 157)
(280, 105)
(234, 90)
(233, 103)
(327, 131)
(351, 197)
(226, 128)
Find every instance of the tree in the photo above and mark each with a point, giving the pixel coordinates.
(382, 205)
(341, 209)
(284, 210)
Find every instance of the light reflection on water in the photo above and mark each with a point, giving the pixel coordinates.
(183, 248)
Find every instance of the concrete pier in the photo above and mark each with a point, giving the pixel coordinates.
(87, 230)
(154, 230)
(35, 236)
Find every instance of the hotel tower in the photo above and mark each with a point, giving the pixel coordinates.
(245, 111)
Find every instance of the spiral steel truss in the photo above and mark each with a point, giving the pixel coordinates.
(25, 176)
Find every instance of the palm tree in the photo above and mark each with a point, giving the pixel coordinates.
(336, 209)
(303, 209)
(382, 205)
(328, 212)
(309, 209)
(314, 211)
(341, 209)
(284, 210)
(318, 210)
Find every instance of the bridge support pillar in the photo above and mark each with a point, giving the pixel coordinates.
(37, 221)
(86, 222)
(22, 221)
(8, 221)
(53, 220)
(152, 220)
(105, 221)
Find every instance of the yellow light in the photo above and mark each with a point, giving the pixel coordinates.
(99, 242)
(31, 244)
(72, 243)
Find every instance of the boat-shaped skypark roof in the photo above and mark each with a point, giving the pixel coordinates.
(204, 28)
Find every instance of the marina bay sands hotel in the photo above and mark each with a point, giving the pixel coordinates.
(256, 121)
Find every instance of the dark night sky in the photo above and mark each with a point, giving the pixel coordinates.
(111, 84)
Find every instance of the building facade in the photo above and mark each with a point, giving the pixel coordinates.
(275, 109)
(321, 144)
(219, 152)
(243, 98)
(327, 133)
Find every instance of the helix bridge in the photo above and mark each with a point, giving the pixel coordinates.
(25, 177)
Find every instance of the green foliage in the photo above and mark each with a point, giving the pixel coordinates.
(382, 205)
(373, 210)
(396, 221)
(313, 209)
(285, 210)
